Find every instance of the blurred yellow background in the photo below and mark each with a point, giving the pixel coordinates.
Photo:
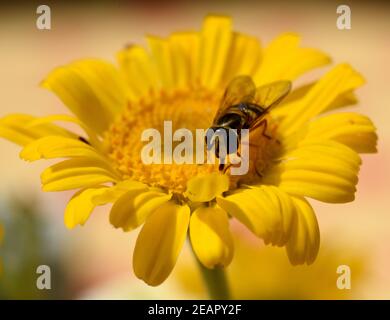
(95, 261)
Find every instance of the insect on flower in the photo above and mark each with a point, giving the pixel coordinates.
(244, 106)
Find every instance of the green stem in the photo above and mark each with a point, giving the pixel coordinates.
(215, 281)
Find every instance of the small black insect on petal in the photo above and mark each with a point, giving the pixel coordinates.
(82, 139)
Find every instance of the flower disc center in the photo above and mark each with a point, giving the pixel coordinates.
(189, 109)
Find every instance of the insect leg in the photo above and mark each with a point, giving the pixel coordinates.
(258, 173)
(221, 164)
(226, 168)
(264, 124)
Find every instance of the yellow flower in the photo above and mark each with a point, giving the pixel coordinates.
(181, 78)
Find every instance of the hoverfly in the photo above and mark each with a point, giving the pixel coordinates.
(244, 106)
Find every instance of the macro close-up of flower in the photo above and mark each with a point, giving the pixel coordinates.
(310, 150)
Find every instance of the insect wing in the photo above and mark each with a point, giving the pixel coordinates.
(271, 94)
(240, 89)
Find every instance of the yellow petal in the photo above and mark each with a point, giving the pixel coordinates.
(159, 243)
(162, 60)
(110, 195)
(352, 129)
(338, 81)
(244, 56)
(180, 61)
(284, 109)
(325, 148)
(282, 201)
(51, 147)
(133, 207)
(345, 99)
(251, 208)
(304, 242)
(185, 53)
(325, 171)
(215, 44)
(267, 212)
(92, 136)
(80, 206)
(136, 66)
(189, 42)
(205, 188)
(18, 129)
(283, 59)
(92, 89)
(74, 174)
(210, 237)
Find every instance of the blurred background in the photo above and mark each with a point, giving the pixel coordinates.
(94, 261)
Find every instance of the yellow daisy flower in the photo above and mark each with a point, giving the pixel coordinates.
(182, 78)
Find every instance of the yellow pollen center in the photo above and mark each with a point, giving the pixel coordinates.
(190, 109)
